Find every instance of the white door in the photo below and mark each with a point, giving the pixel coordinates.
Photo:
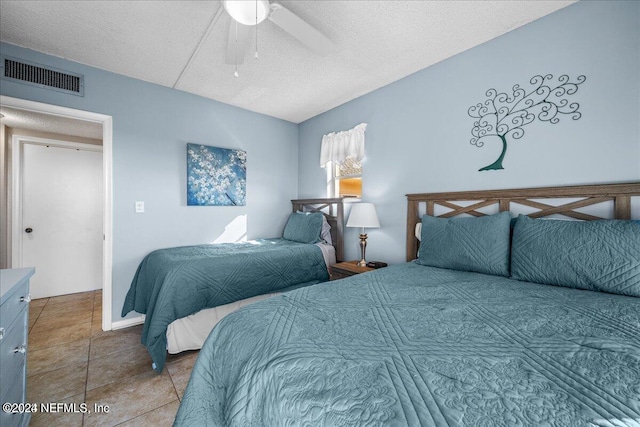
(62, 219)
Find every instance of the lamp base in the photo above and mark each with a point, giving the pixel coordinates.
(363, 248)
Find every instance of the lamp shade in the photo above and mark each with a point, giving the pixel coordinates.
(363, 215)
(247, 12)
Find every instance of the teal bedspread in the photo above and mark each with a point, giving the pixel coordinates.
(177, 282)
(411, 345)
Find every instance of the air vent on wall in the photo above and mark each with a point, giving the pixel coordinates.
(42, 76)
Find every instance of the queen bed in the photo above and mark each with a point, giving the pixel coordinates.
(493, 322)
(185, 291)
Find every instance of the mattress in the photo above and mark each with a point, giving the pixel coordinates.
(416, 345)
(189, 333)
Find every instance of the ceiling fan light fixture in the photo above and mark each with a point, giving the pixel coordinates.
(247, 12)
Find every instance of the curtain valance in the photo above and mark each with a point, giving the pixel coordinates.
(337, 146)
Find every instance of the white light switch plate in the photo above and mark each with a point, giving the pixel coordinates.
(139, 207)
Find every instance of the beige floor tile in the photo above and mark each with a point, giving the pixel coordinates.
(175, 357)
(96, 323)
(56, 322)
(118, 366)
(35, 310)
(38, 303)
(97, 316)
(180, 371)
(64, 308)
(96, 330)
(32, 321)
(55, 337)
(130, 398)
(52, 358)
(71, 360)
(110, 341)
(160, 417)
(58, 384)
(70, 416)
(80, 296)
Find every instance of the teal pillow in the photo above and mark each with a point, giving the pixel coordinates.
(303, 227)
(594, 255)
(468, 244)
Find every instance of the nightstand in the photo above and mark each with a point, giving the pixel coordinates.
(346, 269)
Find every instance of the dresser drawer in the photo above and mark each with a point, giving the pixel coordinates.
(15, 302)
(14, 338)
(14, 395)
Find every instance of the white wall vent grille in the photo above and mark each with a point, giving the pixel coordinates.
(42, 76)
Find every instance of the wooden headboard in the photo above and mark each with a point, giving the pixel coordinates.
(589, 195)
(333, 210)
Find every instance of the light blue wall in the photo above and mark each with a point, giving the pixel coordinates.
(417, 138)
(418, 135)
(151, 127)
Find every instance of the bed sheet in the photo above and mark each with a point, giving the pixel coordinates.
(415, 345)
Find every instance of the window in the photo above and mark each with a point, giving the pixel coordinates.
(345, 180)
(341, 154)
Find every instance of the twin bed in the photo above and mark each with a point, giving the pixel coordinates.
(494, 321)
(185, 291)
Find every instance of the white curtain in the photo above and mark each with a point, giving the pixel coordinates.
(337, 146)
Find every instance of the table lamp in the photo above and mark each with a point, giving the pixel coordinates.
(363, 215)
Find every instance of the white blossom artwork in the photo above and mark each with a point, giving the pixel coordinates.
(216, 176)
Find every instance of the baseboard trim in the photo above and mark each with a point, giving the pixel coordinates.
(127, 323)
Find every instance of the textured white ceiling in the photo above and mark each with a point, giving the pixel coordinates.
(40, 122)
(181, 44)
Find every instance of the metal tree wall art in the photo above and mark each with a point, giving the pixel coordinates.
(502, 115)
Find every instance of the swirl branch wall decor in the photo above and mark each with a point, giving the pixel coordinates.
(502, 115)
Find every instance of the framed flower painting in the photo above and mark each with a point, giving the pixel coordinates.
(216, 176)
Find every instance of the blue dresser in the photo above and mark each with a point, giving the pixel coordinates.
(14, 327)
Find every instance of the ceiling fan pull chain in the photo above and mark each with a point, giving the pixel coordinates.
(236, 74)
(256, 55)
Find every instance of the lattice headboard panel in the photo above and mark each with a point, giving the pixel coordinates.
(588, 195)
(333, 210)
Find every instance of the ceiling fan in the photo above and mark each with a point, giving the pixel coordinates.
(248, 13)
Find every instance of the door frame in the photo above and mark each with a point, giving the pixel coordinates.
(107, 183)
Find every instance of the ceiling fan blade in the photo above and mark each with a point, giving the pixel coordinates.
(237, 43)
(298, 28)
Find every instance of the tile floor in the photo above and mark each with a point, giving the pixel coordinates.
(72, 360)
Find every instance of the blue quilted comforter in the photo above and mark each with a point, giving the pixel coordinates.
(411, 345)
(177, 282)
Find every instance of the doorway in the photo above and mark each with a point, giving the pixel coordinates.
(17, 229)
(61, 215)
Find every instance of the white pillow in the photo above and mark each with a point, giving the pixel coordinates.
(325, 233)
